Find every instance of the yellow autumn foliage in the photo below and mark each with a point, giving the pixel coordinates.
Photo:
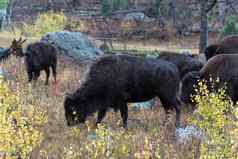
(20, 122)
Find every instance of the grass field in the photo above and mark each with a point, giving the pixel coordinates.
(150, 135)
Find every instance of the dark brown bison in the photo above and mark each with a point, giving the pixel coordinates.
(229, 45)
(224, 67)
(115, 80)
(185, 62)
(38, 56)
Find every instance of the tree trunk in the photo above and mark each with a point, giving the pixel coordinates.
(221, 9)
(203, 27)
(9, 12)
(172, 12)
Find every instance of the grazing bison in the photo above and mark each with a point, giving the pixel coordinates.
(115, 80)
(38, 56)
(228, 45)
(224, 67)
(185, 62)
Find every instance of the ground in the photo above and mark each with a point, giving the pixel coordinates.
(149, 124)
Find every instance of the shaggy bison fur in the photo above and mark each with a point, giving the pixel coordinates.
(228, 45)
(115, 80)
(38, 56)
(224, 67)
(185, 62)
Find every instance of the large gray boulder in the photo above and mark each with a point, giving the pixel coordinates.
(73, 44)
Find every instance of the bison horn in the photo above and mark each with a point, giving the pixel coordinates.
(20, 39)
(68, 95)
(23, 41)
(195, 75)
(218, 50)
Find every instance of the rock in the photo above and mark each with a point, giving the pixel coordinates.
(186, 134)
(153, 56)
(1, 72)
(92, 136)
(143, 105)
(4, 75)
(73, 44)
(137, 16)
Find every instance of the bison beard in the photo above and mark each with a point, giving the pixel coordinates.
(113, 81)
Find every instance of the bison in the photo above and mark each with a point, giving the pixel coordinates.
(224, 67)
(229, 45)
(38, 56)
(185, 62)
(115, 80)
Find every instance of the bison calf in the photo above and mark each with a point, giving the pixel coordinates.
(115, 80)
(224, 67)
(38, 56)
(229, 45)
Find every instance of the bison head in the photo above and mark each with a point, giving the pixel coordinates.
(211, 51)
(188, 82)
(74, 110)
(16, 47)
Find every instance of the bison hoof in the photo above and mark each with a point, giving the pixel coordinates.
(177, 124)
(125, 126)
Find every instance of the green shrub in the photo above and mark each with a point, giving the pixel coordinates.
(108, 6)
(230, 27)
(46, 22)
(20, 121)
(215, 117)
(119, 4)
(105, 7)
(3, 4)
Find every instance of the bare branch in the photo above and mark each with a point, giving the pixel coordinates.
(211, 6)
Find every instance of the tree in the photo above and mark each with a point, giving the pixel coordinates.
(221, 10)
(9, 11)
(205, 7)
(3, 4)
(105, 7)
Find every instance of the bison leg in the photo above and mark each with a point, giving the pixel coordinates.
(47, 73)
(36, 75)
(124, 114)
(168, 104)
(54, 71)
(101, 115)
(30, 76)
(177, 109)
